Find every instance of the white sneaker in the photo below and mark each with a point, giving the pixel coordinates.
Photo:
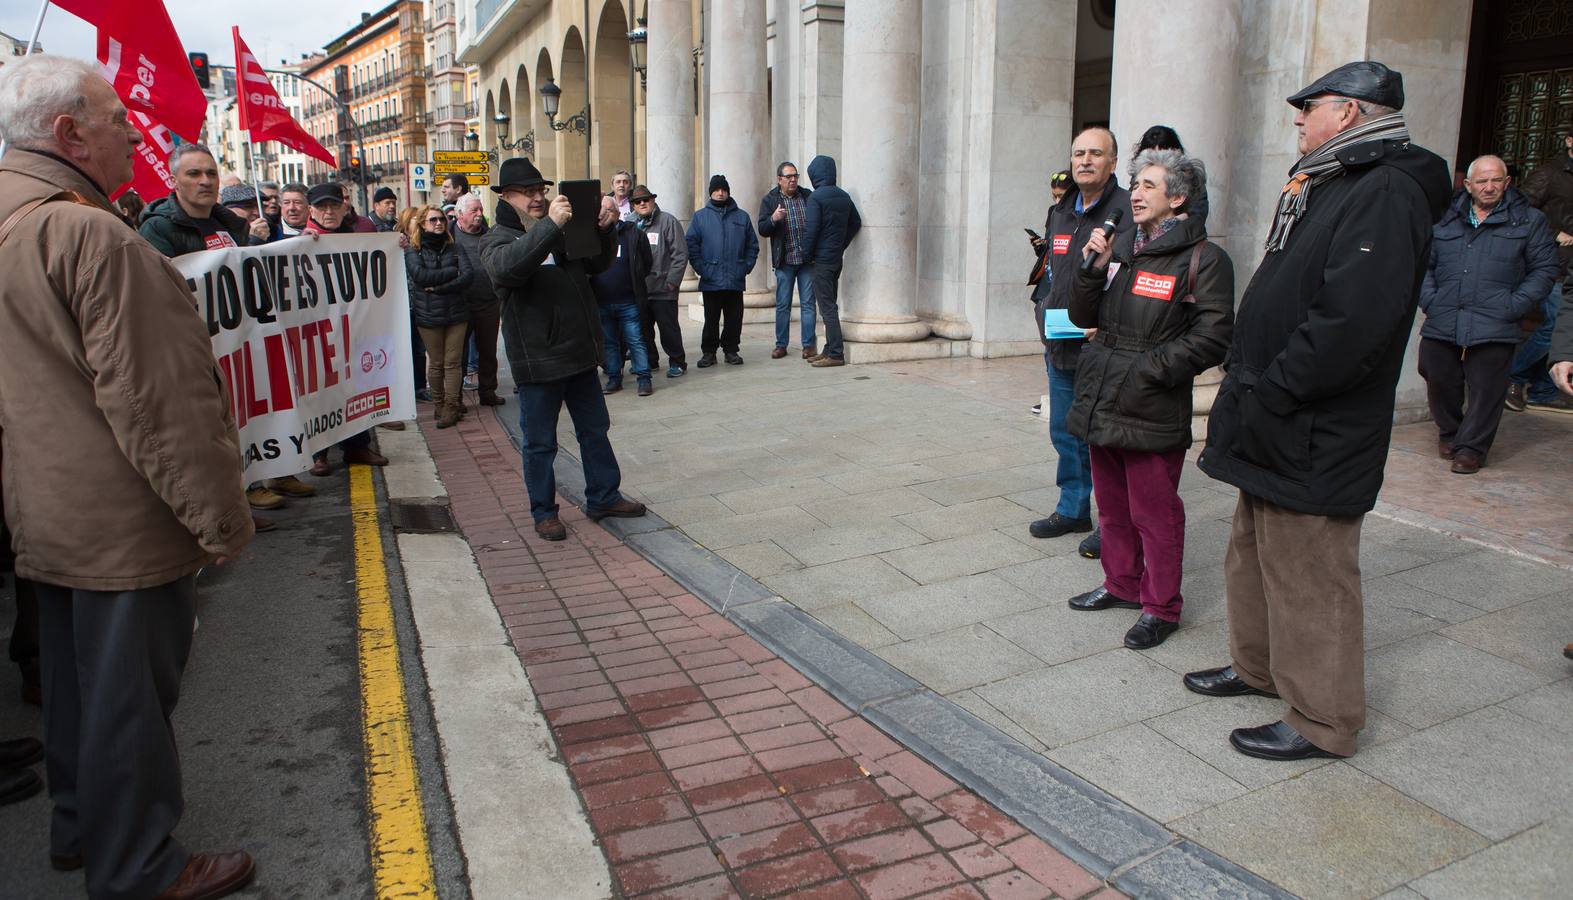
(1037, 409)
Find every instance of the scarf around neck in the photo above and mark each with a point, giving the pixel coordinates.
(1322, 165)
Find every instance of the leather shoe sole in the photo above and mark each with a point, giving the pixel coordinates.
(1099, 598)
(1465, 464)
(1277, 742)
(1223, 682)
(1149, 632)
(622, 509)
(211, 875)
(68, 863)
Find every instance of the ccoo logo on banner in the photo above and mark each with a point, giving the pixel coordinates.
(313, 338)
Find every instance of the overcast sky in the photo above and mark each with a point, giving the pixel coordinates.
(274, 29)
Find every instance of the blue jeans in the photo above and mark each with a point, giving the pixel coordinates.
(803, 275)
(620, 325)
(1529, 363)
(1074, 475)
(539, 406)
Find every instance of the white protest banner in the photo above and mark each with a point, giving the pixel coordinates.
(313, 338)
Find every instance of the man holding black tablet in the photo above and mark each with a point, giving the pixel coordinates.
(551, 327)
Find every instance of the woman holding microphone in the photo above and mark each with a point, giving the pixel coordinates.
(1162, 299)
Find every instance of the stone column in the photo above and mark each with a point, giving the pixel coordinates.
(739, 115)
(819, 74)
(879, 132)
(1199, 44)
(669, 106)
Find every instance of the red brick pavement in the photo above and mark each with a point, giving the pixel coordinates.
(710, 767)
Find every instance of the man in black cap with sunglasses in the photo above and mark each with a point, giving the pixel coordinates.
(1305, 412)
(551, 326)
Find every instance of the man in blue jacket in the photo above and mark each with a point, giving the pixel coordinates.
(1492, 263)
(722, 249)
(833, 222)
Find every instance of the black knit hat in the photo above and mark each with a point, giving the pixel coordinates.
(718, 183)
(384, 194)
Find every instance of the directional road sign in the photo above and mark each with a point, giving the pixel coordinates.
(465, 168)
(460, 156)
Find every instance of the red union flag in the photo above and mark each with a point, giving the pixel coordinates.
(262, 113)
(145, 61)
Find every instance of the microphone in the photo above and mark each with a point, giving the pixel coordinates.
(1108, 226)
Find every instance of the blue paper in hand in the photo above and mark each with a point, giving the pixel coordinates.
(1057, 326)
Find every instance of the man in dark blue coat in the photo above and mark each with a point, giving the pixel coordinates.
(1304, 416)
(1492, 263)
(833, 222)
(722, 249)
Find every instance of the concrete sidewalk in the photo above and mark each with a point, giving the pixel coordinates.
(890, 502)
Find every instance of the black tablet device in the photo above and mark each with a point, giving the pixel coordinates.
(580, 237)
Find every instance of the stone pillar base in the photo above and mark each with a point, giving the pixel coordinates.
(876, 332)
(859, 352)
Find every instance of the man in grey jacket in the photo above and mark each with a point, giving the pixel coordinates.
(670, 250)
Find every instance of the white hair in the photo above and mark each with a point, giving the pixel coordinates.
(35, 90)
(468, 199)
(1470, 172)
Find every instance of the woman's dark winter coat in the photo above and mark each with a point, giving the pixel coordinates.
(439, 275)
(1305, 412)
(1133, 381)
(1481, 281)
(551, 326)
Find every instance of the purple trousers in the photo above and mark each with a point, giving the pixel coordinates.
(1143, 522)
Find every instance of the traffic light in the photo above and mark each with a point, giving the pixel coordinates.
(199, 65)
(357, 170)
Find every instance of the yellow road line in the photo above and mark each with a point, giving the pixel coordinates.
(400, 855)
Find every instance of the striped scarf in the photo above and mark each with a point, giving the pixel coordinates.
(1322, 164)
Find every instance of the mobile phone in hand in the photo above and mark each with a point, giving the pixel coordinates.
(580, 237)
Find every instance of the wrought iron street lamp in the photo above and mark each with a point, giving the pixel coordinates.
(638, 44)
(526, 143)
(551, 96)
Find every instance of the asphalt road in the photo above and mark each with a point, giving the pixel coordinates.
(269, 721)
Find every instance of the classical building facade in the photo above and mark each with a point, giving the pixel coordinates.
(948, 116)
(450, 97)
(376, 71)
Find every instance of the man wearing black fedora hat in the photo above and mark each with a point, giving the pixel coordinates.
(1303, 418)
(551, 327)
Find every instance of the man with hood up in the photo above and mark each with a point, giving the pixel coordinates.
(1304, 416)
(833, 222)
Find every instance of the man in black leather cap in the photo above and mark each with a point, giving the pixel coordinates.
(1305, 412)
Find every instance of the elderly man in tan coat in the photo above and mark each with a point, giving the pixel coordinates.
(122, 475)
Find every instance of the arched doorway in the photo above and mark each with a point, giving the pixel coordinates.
(572, 150)
(488, 127)
(523, 103)
(545, 140)
(613, 82)
(504, 105)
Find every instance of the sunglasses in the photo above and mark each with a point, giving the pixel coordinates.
(435, 220)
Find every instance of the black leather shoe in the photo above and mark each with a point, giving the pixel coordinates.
(19, 752)
(1277, 741)
(1149, 631)
(1091, 546)
(733, 359)
(1099, 598)
(1224, 682)
(1056, 525)
(707, 360)
(19, 785)
(65, 862)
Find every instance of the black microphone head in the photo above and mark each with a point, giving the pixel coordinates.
(1116, 216)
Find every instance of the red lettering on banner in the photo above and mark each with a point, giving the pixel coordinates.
(278, 372)
(254, 407)
(1158, 287)
(292, 340)
(1062, 244)
(330, 371)
(344, 336)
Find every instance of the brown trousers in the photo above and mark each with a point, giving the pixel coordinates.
(1295, 616)
(445, 362)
